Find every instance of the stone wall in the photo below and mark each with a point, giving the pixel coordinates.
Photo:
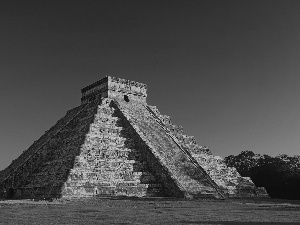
(115, 88)
(133, 90)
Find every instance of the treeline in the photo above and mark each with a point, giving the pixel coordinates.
(280, 175)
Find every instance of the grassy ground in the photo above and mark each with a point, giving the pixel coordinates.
(150, 211)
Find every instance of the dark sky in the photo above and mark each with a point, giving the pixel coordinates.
(227, 71)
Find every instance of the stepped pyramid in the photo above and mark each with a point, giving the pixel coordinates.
(114, 144)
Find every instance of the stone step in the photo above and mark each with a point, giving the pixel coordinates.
(168, 154)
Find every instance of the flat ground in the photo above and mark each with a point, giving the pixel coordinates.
(150, 211)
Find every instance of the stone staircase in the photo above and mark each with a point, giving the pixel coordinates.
(180, 173)
(227, 178)
(109, 164)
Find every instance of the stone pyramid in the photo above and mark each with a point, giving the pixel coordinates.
(114, 144)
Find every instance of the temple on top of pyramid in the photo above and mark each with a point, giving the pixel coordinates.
(115, 144)
(111, 87)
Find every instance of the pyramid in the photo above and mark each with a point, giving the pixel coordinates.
(115, 144)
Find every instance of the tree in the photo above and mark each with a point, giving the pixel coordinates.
(280, 175)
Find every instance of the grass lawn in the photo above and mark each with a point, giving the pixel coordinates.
(150, 211)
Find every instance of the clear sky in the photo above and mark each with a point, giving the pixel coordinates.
(227, 71)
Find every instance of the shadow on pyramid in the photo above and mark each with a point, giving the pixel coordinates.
(114, 144)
